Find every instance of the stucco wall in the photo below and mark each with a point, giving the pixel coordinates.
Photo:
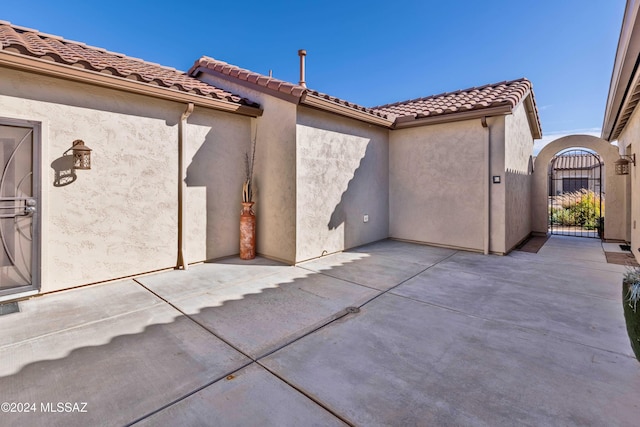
(628, 142)
(436, 184)
(216, 144)
(498, 191)
(120, 217)
(615, 186)
(342, 169)
(274, 172)
(518, 151)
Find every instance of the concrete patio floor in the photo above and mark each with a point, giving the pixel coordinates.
(390, 333)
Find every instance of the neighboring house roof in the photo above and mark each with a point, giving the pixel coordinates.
(576, 161)
(25, 48)
(624, 88)
(472, 102)
(285, 90)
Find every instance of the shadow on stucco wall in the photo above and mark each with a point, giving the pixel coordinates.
(214, 178)
(65, 174)
(517, 206)
(367, 193)
(346, 203)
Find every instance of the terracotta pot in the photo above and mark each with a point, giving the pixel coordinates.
(247, 231)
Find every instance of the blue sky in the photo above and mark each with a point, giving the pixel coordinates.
(370, 52)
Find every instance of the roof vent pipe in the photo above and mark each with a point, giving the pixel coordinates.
(302, 53)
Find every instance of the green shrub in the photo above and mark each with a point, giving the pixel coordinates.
(561, 216)
(582, 208)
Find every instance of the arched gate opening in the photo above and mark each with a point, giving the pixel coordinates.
(615, 227)
(576, 194)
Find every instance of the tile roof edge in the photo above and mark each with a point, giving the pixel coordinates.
(286, 90)
(69, 72)
(195, 72)
(328, 105)
(510, 102)
(455, 92)
(233, 73)
(86, 46)
(22, 47)
(530, 98)
(402, 122)
(18, 27)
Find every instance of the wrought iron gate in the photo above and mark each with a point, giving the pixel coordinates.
(19, 235)
(576, 194)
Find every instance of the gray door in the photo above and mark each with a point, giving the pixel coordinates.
(19, 202)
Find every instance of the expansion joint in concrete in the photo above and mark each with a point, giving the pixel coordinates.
(337, 316)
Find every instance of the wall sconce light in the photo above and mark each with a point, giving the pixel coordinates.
(81, 155)
(622, 164)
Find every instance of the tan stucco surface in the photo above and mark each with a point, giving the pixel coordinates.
(614, 219)
(316, 176)
(275, 180)
(436, 184)
(629, 144)
(518, 151)
(275, 171)
(216, 144)
(120, 217)
(497, 191)
(342, 175)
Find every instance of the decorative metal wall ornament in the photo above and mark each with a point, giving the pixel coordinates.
(622, 164)
(81, 155)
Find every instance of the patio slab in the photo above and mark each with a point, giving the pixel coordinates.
(208, 276)
(122, 367)
(578, 317)
(575, 248)
(262, 314)
(371, 269)
(68, 309)
(405, 251)
(404, 362)
(249, 397)
(442, 338)
(555, 274)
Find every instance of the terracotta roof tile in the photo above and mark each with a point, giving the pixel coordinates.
(348, 104)
(247, 75)
(576, 161)
(272, 83)
(507, 93)
(33, 43)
